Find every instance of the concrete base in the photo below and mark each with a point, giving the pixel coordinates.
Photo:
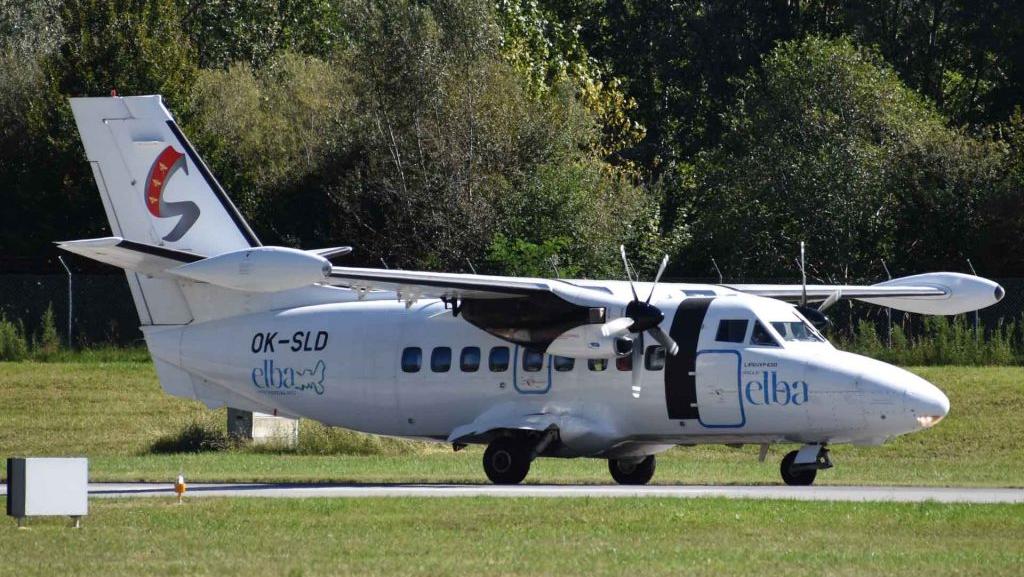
(261, 428)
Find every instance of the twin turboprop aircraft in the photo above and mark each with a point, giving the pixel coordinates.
(530, 367)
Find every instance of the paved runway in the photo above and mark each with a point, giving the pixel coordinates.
(818, 493)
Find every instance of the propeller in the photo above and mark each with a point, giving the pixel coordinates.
(642, 317)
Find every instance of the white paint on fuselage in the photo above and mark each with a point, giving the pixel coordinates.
(339, 363)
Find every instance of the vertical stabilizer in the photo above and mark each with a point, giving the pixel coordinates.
(156, 190)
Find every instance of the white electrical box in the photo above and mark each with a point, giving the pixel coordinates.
(47, 486)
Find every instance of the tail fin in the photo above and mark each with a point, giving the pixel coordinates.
(156, 190)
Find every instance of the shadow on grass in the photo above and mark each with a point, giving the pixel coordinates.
(193, 438)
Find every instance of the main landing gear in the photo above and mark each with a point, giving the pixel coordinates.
(799, 468)
(632, 471)
(507, 459)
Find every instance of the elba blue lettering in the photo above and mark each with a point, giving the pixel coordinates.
(272, 378)
(772, 391)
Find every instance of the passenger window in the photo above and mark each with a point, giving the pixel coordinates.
(654, 359)
(470, 359)
(499, 359)
(731, 331)
(441, 359)
(761, 337)
(532, 360)
(411, 359)
(564, 364)
(597, 364)
(624, 363)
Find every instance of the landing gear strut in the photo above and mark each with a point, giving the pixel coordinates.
(799, 468)
(632, 472)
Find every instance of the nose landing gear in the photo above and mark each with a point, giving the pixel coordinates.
(800, 468)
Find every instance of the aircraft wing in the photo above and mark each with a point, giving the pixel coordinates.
(415, 284)
(794, 292)
(935, 293)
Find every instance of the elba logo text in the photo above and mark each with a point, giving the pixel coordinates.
(770, 390)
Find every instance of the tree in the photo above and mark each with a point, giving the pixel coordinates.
(826, 144)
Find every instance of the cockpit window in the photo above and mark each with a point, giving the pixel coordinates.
(761, 337)
(796, 331)
(731, 330)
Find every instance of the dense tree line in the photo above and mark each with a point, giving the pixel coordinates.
(529, 136)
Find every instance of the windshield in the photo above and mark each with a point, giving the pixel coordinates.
(797, 331)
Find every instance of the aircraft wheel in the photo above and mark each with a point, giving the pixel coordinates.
(796, 478)
(506, 461)
(632, 472)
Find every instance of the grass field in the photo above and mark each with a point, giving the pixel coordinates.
(114, 413)
(481, 536)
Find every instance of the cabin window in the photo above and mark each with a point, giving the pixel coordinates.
(411, 359)
(441, 359)
(761, 337)
(564, 364)
(470, 359)
(654, 358)
(532, 360)
(624, 363)
(732, 330)
(597, 364)
(498, 360)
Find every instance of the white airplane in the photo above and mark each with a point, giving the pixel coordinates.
(530, 367)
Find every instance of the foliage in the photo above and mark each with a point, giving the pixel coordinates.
(47, 341)
(939, 341)
(254, 32)
(825, 144)
(13, 342)
(420, 131)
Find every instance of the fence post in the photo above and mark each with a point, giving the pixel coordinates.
(71, 301)
(976, 336)
(888, 312)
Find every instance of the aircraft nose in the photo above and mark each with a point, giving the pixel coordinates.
(926, 403)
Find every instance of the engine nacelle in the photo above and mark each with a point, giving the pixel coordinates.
(260, 269)
(591, 342)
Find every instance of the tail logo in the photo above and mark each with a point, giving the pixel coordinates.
(164, 167)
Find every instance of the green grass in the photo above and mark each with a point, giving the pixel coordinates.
(115, 412)
(482, 536)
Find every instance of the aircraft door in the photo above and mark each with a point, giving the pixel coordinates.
(531, 371)
(718, 388)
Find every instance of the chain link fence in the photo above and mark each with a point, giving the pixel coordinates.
(103, 311)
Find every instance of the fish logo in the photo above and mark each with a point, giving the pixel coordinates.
(166, 164)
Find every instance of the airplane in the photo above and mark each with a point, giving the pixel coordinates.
(529, 367)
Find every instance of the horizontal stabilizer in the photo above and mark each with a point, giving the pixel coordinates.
(134, 256)
(332, 252)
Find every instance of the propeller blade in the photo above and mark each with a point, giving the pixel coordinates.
(638, 366)
(625, 263)
(657, 277)
(664, 340)
(831, 300)
(617, 326)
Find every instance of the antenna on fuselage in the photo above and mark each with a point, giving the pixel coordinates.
(384, 262)
(553, 259)
(470, 263)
